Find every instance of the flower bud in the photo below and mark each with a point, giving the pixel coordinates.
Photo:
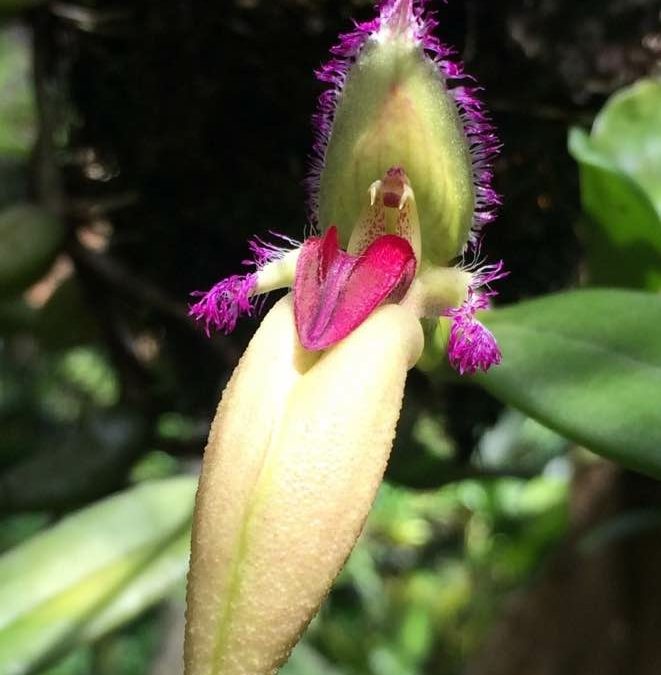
(295, 456)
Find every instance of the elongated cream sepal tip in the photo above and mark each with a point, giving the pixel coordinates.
(250, 409)
(290, 473)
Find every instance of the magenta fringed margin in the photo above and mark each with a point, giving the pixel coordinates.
(482, 139)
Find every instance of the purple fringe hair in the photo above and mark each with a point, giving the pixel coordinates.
(472, 346)
(483, 142)
(224, 304)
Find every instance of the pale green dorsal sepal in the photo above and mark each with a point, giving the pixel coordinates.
(396, 111)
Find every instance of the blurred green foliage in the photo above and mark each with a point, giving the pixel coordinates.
(92, 572)
(30, 240)
(17, 100)
(620, 167)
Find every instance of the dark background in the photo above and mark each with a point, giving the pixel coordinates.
(196, 116)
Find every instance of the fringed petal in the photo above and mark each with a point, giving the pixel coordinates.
(221, 307)
(234, 297)
(472, 346)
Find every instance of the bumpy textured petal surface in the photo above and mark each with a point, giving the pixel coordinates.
(250, 409)
(284, 493)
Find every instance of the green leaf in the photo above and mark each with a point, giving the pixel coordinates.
(29, 241)
(627, 132)
(623, 237)
(18, 118)
(620, 169)
(588, 365)
(166, 571)
(91, 572)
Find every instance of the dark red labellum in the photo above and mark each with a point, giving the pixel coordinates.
(334, 291)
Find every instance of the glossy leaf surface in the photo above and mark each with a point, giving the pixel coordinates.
(587, 364)
(93, 570)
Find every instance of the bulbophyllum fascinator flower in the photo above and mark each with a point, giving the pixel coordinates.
(399, 191)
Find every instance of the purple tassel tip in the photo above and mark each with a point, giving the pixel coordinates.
(472, 347)
(221, 307)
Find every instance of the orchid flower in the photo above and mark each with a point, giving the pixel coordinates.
(400, 189)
